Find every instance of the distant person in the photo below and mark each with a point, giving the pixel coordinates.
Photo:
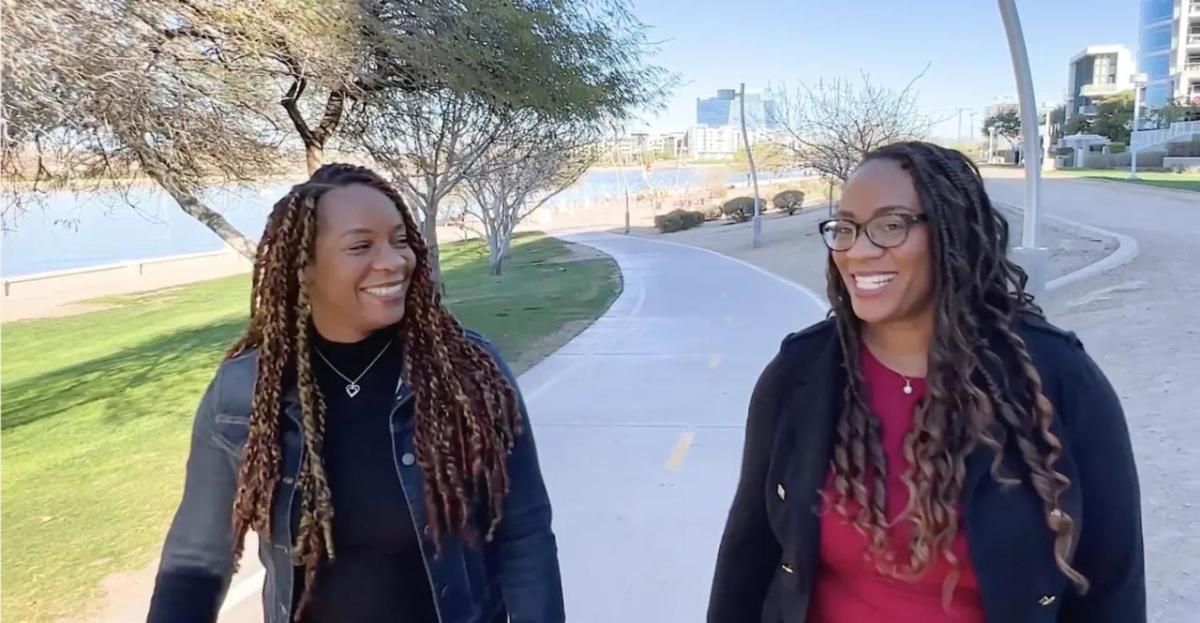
(382, 453)
(935, 451)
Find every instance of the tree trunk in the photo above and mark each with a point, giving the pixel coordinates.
(498, 243)
(313, 154)
(495, 262)
(429, 233)
(206, 215)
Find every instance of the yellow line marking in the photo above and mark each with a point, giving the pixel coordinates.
(680, 451)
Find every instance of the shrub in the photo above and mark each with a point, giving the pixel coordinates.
(788, 201)
(713, 212)
(741, 209)
(678, 220)
(1117, 148)
(1190, 149)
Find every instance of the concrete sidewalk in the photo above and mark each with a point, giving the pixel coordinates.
(1139, 322)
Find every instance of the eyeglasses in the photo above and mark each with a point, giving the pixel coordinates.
(884, 231)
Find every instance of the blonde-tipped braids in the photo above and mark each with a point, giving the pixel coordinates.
(973, 397)
(467, 414)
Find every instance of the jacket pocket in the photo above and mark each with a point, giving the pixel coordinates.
(230, 433)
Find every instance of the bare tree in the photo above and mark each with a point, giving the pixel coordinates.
(829, 126)
(95, 94)
(196, 92)
(534, 161)
(428, 143)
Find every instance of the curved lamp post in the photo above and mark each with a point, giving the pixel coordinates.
(1029, 255)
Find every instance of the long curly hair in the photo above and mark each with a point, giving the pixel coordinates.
(978, 292)
(467, 414)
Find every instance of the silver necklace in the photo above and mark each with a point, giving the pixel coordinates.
(908, 390)
(352, 386)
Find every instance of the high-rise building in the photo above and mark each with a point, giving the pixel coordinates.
(716, 111)
(1099, 71)
(1169, 50)
(761, 110)
(717, 133)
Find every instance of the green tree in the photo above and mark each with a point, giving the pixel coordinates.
(187, 90)
(1079, 124)
(1007, 124)
(1181, 110)
(1114, 117)
(1058, 116)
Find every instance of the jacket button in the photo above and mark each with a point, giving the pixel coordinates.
(787, 568)
(1046, 600)
(408, 458)
(781, 492)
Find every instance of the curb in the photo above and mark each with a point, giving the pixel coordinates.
(1133, 187)
(816, 298)
(1127, 250)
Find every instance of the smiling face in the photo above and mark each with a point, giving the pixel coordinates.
(359, 276)
(886, 285)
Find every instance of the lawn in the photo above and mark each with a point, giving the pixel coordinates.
(98, 407)
(1178, 181)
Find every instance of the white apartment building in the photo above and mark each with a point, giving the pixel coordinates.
(1099, 71)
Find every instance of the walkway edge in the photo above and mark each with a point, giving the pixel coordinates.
(1127, 250)
(821, 301)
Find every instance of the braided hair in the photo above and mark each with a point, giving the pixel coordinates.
(467, 413)
(978, 292)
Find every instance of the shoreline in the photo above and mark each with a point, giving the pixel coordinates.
(75, 290)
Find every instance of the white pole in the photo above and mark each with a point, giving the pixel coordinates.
(1046, 161)
(1029, 254)
(1137, 108)
(756, 222)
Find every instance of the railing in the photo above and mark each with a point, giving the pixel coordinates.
(1146, 138)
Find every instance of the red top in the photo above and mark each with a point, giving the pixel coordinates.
(848, 587)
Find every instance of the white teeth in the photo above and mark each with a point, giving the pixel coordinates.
(386, 290)
(872, 282)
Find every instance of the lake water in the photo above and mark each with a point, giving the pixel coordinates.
(70, 230)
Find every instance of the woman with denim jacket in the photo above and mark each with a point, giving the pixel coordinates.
(381, 453)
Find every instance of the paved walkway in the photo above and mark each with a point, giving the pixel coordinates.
(639, 424)
(1140, 323)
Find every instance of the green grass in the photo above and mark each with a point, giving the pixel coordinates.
(1161, 179)
(98, 408)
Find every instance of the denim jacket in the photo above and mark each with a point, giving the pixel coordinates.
(514, 577)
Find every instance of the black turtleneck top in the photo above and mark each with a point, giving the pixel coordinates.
(378, 573)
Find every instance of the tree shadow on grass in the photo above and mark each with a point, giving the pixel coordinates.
(132, 380)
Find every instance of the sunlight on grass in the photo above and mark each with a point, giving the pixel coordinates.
(97, 408)
(1161, 179)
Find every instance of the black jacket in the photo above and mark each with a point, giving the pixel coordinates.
(769, 551)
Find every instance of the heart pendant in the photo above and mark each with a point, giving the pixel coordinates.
(352, 390)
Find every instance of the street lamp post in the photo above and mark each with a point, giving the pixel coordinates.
(1029, 255)
(1139, 81)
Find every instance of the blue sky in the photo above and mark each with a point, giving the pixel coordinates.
(715, 44)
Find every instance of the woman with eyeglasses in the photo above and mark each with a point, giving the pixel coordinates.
(936, 451)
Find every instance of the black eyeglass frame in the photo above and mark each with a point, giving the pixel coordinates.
(909, 219)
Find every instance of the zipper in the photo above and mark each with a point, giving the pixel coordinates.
(401, 401)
